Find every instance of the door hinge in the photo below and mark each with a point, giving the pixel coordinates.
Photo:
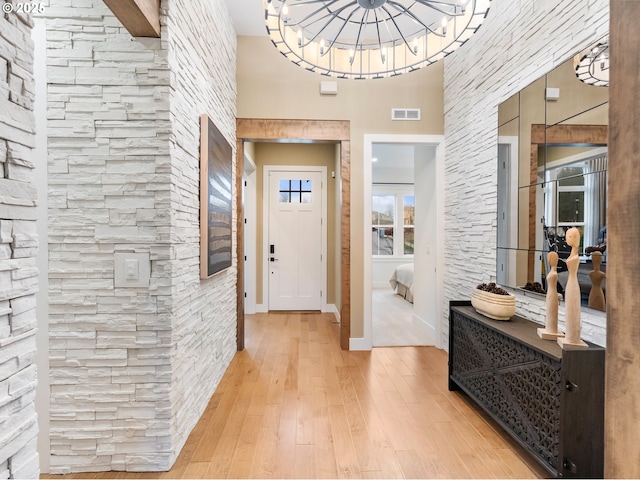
(245, 294)
(320, 293)
(245, 221)
(245, 258)
(245, 183)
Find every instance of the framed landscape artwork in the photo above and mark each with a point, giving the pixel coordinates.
(216, 189)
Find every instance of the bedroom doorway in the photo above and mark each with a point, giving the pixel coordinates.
(402, 221)
(392, 246)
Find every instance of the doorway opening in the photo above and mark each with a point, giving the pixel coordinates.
(403, 200)
(301, 131)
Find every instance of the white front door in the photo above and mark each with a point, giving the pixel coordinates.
(295, 244)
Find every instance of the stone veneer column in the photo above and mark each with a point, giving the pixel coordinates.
(202, 58)
(133, 368)
(109, 193)
(18, 248)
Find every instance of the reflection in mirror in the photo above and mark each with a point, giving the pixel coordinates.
(552, 175)
(575, 98)
(507, 233)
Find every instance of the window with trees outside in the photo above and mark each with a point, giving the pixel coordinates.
(393, 221)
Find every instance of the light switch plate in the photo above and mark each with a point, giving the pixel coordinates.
(132, 269)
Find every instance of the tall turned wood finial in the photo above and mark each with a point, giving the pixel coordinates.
(572, 294)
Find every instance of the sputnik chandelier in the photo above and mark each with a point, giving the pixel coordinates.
(370, 38)
(593, 66)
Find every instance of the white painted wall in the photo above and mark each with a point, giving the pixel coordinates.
(520, 41)
(426, 287)
(392, 175)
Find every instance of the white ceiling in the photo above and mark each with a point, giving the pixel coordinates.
(393, 155)
(247, 16)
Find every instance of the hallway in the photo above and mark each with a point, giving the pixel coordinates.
(293, 405)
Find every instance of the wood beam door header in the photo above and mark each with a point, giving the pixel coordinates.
(275, 129)
(141, 18)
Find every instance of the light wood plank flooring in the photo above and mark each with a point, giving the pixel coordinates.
(293, 405)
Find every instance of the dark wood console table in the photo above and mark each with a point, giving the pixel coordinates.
(549, 400)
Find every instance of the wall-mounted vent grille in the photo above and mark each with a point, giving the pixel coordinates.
(405, 114)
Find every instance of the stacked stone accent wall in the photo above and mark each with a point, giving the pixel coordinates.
(132, 368)
(18, 248)
(520, 41)
(109, 193)
(202, 58)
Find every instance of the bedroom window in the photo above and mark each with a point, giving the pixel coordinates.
(568, 194)
(393, 221)
(576, 193)
(409, 221)
(383, 211)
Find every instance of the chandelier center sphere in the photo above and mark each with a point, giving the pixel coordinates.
(371, 4)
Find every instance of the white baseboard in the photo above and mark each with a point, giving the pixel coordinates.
(359, 344)
(430, 329)
(261, 308)
(331, 308)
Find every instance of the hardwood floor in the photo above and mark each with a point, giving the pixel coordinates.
(294, 405)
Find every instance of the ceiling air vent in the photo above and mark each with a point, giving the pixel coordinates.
(405, 114)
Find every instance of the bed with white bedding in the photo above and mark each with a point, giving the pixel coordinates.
(402, 281)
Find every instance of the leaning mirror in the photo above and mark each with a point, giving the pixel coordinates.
(552, 175)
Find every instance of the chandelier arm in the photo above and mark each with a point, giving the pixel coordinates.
(328, 15)
(343, 26)
(310, 2)
(312, 14)
(399, 31)
(403, 9)
(375, 13)
(430, 4)
(331, 16)
(363, 21)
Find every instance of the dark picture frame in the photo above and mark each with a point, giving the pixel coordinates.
(216, 194)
